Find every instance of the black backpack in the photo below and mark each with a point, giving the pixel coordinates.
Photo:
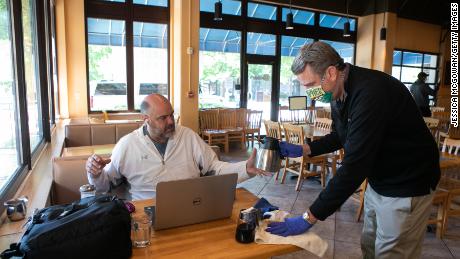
(94, 227)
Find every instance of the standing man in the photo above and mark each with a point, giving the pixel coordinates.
(420, 90)
(385, 139)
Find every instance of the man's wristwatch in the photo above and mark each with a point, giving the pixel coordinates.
(307, 218)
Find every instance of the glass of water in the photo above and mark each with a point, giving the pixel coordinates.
(141, 229)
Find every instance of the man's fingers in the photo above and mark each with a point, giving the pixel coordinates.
(106, 161)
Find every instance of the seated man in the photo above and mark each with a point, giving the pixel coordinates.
(160, 151)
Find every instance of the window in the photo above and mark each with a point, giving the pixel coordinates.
(261, 11)
(107, 64)
(123, 69)
(150, 60)
(22, 94)
(260, 70)
(31, 72)
(289, 85)
(408, 64)
(231, 7)
(163, 3)
(9, 135)
(336, 22)
(300, 16)
(261, 44)
(219, 83)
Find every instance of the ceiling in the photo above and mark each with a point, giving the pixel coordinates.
(431, 11)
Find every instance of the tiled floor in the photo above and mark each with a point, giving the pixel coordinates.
(340, 230)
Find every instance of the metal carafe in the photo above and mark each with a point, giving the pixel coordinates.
(268, 157)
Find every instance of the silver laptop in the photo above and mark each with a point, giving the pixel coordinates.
(196, 200)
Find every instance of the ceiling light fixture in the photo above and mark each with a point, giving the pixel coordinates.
(383, 30)
(218, 11)
(346, 25)
(290, 18)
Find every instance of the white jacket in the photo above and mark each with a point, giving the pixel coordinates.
(136, 158)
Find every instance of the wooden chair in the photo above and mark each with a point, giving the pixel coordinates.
(451, 146)
(444, 119)
(285, 115)
(253, 123)
(273, 129)
(228, 122)
(452, 187)
(440, 199)
(209, 128)
(437, 109)
(433, 126)
(294, 135)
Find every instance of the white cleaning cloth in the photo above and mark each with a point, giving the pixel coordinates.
(308, 240)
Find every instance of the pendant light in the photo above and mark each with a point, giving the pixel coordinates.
(218, 11)
(383, 30)
(290, 18)
(346, 25)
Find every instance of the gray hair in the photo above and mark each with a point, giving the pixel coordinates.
(319, 55)
(145, 106)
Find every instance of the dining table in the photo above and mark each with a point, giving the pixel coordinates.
(213, 239)
(105, 149)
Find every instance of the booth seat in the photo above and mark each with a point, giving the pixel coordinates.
(97, 134)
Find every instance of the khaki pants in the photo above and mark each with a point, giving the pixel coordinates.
(394, 227)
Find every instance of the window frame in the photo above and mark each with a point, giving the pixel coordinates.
(422, 67)
(26, 156)
(129, 13)
(277, 27)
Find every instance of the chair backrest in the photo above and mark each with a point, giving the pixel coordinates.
(433, 126)
(437, 109)
(444, 118)
(273, 129)
(254, 119)
(209, 119)
(454, 132)
(293, 134)
(227, 118)
(285, 114)
(241, 117)
(451, 145)
(323, 123)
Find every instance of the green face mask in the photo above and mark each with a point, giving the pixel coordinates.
(317, 93)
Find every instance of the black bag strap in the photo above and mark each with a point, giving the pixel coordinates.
(12, 251)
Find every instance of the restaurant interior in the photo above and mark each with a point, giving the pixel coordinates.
(75, 72)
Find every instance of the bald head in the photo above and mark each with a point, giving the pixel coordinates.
(159, 116)
(154, 102)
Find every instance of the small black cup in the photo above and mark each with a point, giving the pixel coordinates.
(245, 233)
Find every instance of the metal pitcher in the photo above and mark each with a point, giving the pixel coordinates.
(16, 209)
(268, 157)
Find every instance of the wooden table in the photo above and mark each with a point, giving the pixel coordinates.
(214, 239)
(311, 132)
(88, 150)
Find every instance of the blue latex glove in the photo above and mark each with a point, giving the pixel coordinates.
(290, 227)
(290, 150)
(264, 206)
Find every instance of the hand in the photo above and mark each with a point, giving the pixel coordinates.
(95, 164)
(264, 206)
(290, 227)
(251, 168)
(290, 150)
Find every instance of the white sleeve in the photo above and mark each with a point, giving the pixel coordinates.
(110, 173)
(207, 160)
